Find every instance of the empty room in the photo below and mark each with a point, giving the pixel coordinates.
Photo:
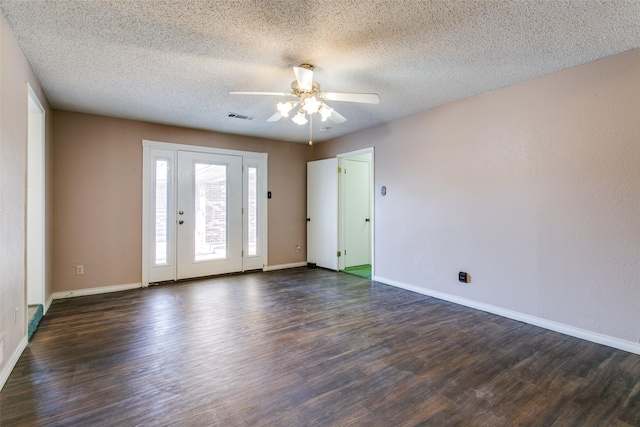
(319, 213)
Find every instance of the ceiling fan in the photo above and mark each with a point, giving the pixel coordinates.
(311, 99)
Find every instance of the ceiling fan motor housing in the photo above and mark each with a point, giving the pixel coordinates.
(301, 93)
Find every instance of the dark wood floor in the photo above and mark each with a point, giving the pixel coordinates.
(307, 347)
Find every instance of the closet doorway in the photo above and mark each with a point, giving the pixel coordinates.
(340, 231)
(355, 213)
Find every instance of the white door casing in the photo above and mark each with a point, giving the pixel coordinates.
(357, 216)
(36, 203)
(365, 155)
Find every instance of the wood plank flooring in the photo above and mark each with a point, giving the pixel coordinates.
(307, 347)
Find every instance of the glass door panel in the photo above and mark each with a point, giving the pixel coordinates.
(252, 211)
(210, 211)
(161, 212)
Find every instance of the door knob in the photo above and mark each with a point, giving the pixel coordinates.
(367, 220)
(308, 219)
(181, 213)
(181, 222)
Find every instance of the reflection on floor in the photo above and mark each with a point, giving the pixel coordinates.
(35, 315)
(359, 270)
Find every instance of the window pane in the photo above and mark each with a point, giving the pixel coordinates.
(162, 200)
(252, 216)
(210, 212)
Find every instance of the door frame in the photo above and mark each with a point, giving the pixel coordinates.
(341, 205)
(249, 159)
(36, 236)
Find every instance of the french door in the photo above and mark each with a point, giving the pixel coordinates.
(204, 211)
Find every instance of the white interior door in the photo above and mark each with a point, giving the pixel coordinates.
(209, 214)
(357, 217)
(322, 213)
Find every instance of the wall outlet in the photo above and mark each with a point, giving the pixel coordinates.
(298, 248)
(79, 269)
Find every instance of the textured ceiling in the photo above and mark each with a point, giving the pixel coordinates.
(174, 62)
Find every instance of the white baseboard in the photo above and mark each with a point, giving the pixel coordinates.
(6, 371)
(47, 304)
(95, 291)
(284, 266)
(584, 334)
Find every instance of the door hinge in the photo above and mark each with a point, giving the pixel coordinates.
(339, 169)
(339, 254)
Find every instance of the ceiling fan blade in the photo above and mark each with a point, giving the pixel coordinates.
(304, 76)
(366, 98)
(240, 92)
(277, 116)
(337, 118)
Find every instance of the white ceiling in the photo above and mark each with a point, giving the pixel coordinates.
(174, 62)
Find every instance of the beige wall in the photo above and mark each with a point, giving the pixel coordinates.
(98, 195)
(533, 189)
(14, 73)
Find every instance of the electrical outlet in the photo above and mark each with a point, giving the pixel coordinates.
(298, 248)
(79, 269)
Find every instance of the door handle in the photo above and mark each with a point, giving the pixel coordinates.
(181, 222)
(367, 220)
(308, 219)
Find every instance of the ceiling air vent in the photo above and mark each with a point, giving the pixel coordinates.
(239, 116)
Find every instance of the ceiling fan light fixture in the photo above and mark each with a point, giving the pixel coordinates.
(285, 107)
(325, 111)
(299, 118)
(311, 104)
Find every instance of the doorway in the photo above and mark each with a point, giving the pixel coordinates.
(355, 213)
(340, 232)
(36, 210)
(204, 211)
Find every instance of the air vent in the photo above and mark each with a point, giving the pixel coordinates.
(239, 116)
